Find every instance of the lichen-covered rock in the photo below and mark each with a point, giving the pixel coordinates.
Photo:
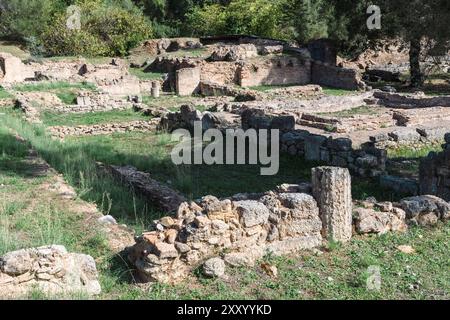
(379, 222)
(421, 209)
(50, 269)
(252, 212)
(214, 268)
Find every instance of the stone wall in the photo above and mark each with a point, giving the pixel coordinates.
(327, 75)
(281, 70)
(346, 125)
(417, 116)
(258, 119)
(51, 270)
(366, 161)
(243, 229)
(99, 129)
(170, 66)
(186, 118)
(220, 72)
(434, 172)
(410, 101)
(13, 70)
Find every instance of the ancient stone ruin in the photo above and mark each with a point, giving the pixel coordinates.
(51, 270)
(240, 230)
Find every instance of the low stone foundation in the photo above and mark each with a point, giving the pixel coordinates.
(434, 172)
(410, 101)
(186, 117)
(157, 193)
(242, 229)
(108, 128)
(327, 75)
(51, 270)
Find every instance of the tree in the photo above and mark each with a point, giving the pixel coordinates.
(107, 28)
(415, 21)
(21, 19)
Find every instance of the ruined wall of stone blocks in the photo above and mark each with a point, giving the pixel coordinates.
(187, 81)
(410, 101)
(100, 129)
(326, 75)
(368, 160)
(169, 66)
(434, 172)
(244, 228)
(281, 70)
(221, 72)
(13, 70)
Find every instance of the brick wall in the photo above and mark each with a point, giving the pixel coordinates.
(335, 77)
(275, 71)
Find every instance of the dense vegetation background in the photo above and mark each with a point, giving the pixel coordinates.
(112, 27)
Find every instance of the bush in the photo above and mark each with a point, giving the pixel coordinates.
(265, 18)
(20, 19)
(106, 30)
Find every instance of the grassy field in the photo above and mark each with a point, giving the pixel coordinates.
(170, 101)
(65, 91)
(14, 49)
(29, 218)
(146, 75)
(52, 86)
(361, 110)
(326, 90)
(4, 94)
(410, 153)
(91, 118)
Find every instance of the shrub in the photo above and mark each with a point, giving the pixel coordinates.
(257, 17)
(105, 30)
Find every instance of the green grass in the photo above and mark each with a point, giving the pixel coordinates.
(413, 153)
(361, 110)
(15, 49)
(92, 60)
(28, 218)
(264, 88)
(75, 119)
(4, 94)
(68, 97)
(341, 273)
(337, 92)
(57, 85)
(170, 101)
(80, 170)
(146, 75)
(192, 53)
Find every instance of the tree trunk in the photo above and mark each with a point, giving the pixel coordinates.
(414, 63)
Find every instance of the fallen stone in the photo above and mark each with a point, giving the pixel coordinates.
(214, 268)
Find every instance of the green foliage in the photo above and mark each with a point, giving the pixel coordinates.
(256, 17)
(309, 18)
(26, 18)
(91, 118)
(4, 94)
(107, 28)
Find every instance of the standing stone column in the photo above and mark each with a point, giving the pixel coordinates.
(155, 89)
(332, 191)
